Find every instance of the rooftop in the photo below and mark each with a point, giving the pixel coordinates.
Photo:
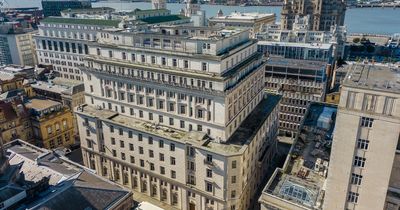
(94, 9)
(162, 19)
(41, 104)
(324, 46)
(58, 85)
(301, 180)
(244, 16)
(380, 77)
(68, 181)
(146, 11)
(249, 127)
(240, 138)
(295, 63)
(77, 21)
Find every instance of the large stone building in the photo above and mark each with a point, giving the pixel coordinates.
(63, 41)
(252, 21)
(178, 114)
(52, 123)
(365, 161)
(322, 14)
(15, 122)
(16, 45)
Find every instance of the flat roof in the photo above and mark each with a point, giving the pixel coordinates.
(162, 19)
(78, 21)
(373, 76)
(301, 180)
(88, 9)
(146, 11)
(250, 126)
(41, 104)
(295, 63)
(241, 137)
(243, 16)
(324, 46)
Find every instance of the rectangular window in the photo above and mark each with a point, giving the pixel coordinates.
(359, 161)
(131, 147)
(204, 66)
(209, 173)
(234, 164)
(172, 161)
(352, 197)
(362, 144)
(356, 179)
(209, 187)
(366, 122)
(161, 144)
(162, 157)
(172, 147)
(173, 174)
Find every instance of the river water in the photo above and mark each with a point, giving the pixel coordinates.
(358, 20)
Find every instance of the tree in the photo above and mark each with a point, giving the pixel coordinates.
(356, 40)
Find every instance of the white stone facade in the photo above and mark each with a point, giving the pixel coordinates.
(168, 115)
(365, 140)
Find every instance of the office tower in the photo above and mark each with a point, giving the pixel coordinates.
(322, 14)
(300, 82)
(54, 7)
(178, 114)
(364, 166)
(16, 45)
(192, 7)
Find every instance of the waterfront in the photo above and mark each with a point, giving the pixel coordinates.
(358, 20)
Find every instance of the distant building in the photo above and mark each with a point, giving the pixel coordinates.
(295, 43)
(54, 7)
(365, 160)
(192, 7)
(87, 12)
(52, 123)
(25, 71)
(300, 184)
(158, 4)
(322, 14)
(69, 93)
(300, 82)
(35, 178)
(63, 42)
(10, 81)
(15, 122)
(252, 21)
(16, 45)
